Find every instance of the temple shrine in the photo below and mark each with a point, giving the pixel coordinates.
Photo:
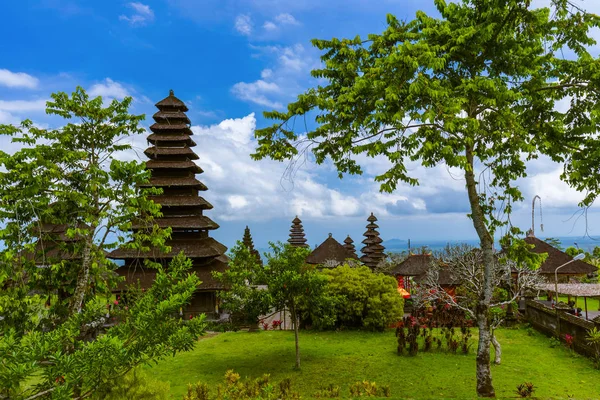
(172, 166)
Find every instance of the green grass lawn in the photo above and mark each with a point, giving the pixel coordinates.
(342, 358)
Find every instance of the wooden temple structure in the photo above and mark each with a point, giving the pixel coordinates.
(249, 243)
(297, 238)
(172, 166)
(555, 259)
(373, 250)
(349, 246)
(330, 253)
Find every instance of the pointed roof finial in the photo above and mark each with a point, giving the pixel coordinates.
(171, 92)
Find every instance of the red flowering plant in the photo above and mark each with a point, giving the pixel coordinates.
(569, 341)
(276, 324)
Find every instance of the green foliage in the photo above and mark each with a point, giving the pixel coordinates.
(69, 360)
(236, 389)
(363, 298)
(244, 298)
(64, 195)
(135, 385)
(293, 284)
(593, 339)
(476, 89)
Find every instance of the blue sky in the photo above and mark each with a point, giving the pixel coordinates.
(230, 60)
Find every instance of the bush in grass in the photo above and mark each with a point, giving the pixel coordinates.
(135, 385)
(235, 389)
(369, 389)
(363, 298)
(330, 391)
(525, 390)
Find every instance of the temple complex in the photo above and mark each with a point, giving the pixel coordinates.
(297, 238)
(330, 253)
(373, 250)
(249, 243)
(173, 170)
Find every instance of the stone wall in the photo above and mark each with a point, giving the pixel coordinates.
(546, 320)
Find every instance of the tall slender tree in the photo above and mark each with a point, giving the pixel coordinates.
(476, 89)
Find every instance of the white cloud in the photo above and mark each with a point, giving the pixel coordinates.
(109, 89)
(243, 24)
(257, 92)
(141, 15)
(281, 20)
(22, 105)
(288, 76)
(269, 26)
(17, 79)
(286, 19)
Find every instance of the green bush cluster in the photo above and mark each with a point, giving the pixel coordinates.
(359, 298)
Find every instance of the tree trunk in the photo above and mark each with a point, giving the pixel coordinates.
(82, 279)
(484, 374)
(295, 322)
(497, 350)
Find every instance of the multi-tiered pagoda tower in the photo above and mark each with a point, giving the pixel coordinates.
(349, 246)
(174, 171)
(249, 243)
(373, 250)
(297, 238)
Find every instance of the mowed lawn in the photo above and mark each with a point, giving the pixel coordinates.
(342, 358)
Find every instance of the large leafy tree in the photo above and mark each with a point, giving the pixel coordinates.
(65, 199)
(475, 89)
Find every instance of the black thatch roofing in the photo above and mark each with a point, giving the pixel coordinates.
(349, 246)
(173, 117)
(186, 201)
(162, 127)
(184, 222)
(417, 266)
(297, 234)
(171, 102)
(330, 249)
(198, 248)
(557, 258)
(175, 181)
(175, 165)
(188, 153)
(414, 265)
(158, 137)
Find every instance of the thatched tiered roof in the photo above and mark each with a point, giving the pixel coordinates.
(330, 251)
(373, 250)
(174, 171)
(349, 246)
(556, 258)
(417, 266)
(249, 243)
(297, 234)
